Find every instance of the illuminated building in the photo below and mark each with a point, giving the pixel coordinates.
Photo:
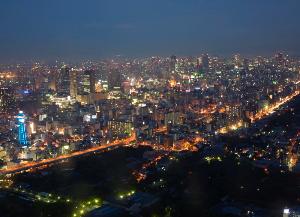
(87, 83)
(174, 118)
(198, 65)
(7, 99)
(52, 84)
(62, 102)
(291, 212)
(286, 213)
(3, 154)
(120, 127)
(173, 61)
(73, 83)
(280, 59)
(31, 128)
(205, 62)
(246, 63)
(114, 80)
(234, 113)
(86, 87)
(22, 135)
(237, 61)
(63, 82)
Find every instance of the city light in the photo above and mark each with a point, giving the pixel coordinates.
(149, 108)
(22, 129)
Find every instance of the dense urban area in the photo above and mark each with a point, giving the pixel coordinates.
(154, 137)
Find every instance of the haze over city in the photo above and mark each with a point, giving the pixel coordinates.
(158, 108)
(72, 30)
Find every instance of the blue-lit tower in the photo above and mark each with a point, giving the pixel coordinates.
(22, 129)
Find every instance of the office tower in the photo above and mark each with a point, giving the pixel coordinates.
(237, 60)
(234, 113)
(73, 83)
(199, 63)
(38, 82)
(280, 59)
(52, 84)
(246, 64)
(118, 127)
(92, 80)
(22, 134)
(7, 99)
(63, 82)
(114, 79)
(205, 62)
(173, 61)
(199, 68)
(87, 82)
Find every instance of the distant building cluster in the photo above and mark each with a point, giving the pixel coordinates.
(48, 110)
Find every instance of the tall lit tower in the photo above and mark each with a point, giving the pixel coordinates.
(73, 83)
(63, 82)
(22, 129)
(173, 61)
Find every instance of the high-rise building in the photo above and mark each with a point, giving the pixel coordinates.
(237, 61)
(73, 83)
(120, 127)
(114, 80)
(22, 134)
(7, 99)
(246, 64)
(173, 61)
(174, 118)
(234, 113)
(280, 59)
(87, 82)
(63, 82)
(198, 65)
(205, 62)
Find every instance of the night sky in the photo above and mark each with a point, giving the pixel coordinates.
(81, 29)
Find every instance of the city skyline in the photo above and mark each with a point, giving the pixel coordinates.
(158, 108)
(100, 138)
(51, 30)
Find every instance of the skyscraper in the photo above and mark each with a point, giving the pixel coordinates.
(7, 99)
(22, 134)
(114, 79)
(173, 61)
(63, 82)
(87, 82)
(73, 83)
(205, 62)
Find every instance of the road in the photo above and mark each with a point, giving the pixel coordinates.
(35, 164)
(271, 109)
(261, 114)
(116, 143)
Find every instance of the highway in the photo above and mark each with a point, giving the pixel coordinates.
(261, 114)
(272, 108)
(34, 164)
